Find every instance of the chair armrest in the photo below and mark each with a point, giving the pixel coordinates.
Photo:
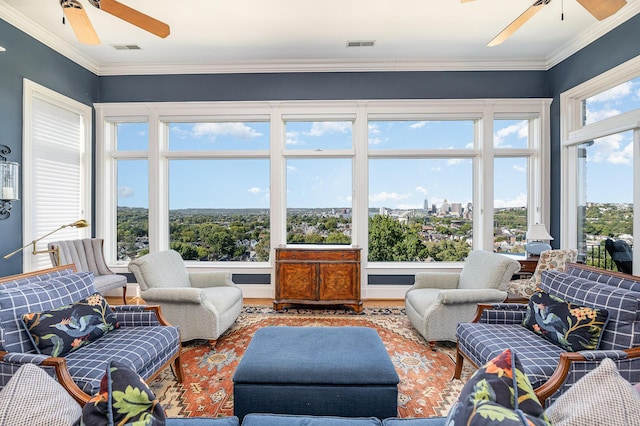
(174, 295)
(500, 313)
(12, 361)
(210, 279)
(443, 280)
(574, 365)
(139, 315)
(461, 296)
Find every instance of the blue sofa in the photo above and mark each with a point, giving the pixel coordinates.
(551, 369)
(144, 340)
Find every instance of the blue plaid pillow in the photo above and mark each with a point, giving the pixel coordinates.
(57, 332)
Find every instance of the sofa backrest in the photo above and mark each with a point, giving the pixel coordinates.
(616, 279)
(36, 296)
(622, 330)
(37, 276)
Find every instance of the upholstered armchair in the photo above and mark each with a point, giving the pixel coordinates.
(554, 260)
(203, 304)
(438, 301)
(88, 256)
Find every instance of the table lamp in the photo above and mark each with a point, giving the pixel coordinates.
(537, 240)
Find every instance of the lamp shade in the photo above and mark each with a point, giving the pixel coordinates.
(9, 180)
(538, 232)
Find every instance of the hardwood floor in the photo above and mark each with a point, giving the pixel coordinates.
(269, 302)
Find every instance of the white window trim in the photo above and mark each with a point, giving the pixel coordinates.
(357, 111)
(573, 132)
(31, 91)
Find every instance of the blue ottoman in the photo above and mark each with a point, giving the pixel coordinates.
(321, 371)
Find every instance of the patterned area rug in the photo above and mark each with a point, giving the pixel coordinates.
(426, 386)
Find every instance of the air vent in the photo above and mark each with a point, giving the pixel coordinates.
(361, 43)
(126, 46)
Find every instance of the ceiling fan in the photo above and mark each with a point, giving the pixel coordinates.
(84, 31)
(598, 8)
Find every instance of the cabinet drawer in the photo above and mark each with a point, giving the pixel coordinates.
(318, 255)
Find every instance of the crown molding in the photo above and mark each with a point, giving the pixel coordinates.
(49, 39)
(593, 33)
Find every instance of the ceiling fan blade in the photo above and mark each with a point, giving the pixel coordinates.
(80, 23)
(518, 22)
(133, 16)
(602, 9)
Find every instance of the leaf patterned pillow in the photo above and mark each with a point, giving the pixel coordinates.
(498, 393)
(124, 398)
(572, 327)
(62, 330)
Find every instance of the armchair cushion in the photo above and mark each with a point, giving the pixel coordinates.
(33, 397)
(58, 331)
(123, 398)
(163, 269)
(571, 326)
(498, 392)
(602, 396)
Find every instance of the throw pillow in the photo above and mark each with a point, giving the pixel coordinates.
(32, 397)
(569, 326)
(498, 393)
(124, 398)
(600, 397)
(57, 332)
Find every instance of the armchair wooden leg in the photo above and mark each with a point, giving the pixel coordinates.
(177, 369)
(124, 294)
(459, 361)
(432, 345)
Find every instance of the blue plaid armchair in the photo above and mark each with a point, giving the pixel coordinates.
(551, 369)
(144, 340)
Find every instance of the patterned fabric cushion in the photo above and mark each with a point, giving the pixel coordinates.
(34, 297)
(601, 397)
(124, 398)
(570, 326)
(32, 397)
(61, 330)
(498, 392)
(622, 331)
(550, 260)
(482, 342)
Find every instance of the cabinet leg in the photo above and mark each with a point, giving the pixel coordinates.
(277, 306)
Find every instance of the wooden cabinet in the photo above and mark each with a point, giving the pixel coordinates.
(318, 277)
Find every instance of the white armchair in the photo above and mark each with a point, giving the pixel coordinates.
(203, 304)
(438, 301)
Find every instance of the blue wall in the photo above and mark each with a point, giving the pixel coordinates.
(27, 58)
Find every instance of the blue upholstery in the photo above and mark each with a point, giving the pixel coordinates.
(203, 421)
(141, 341)
(292, 420)
(316, 371)
(499, 327)
(427, 421)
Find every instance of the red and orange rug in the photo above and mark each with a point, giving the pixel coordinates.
(426, 386)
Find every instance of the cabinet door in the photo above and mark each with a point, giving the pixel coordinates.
(338, 281)
(297, 281)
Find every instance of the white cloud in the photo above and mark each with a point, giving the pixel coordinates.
(600, 114)
(625, 156)
(291, 169)
(610, 149)
(319, 128)
(519, 129)
(519, 201)
(386, 196)
(142, 133)
(126, 192)
(374, 129)
(519, 168)
(374, 141)
(255, 190)
(293, 138)
(318, 183)
(409, 206)
(212, 130)
(421, 189)
(614, 94)
(418, 125)
(454, 161)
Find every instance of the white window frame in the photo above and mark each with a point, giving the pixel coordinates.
(33, 91)
(573, 132)
(359, 111)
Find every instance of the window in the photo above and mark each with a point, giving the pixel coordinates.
(601, 136)
(57, 174)
(409, 182)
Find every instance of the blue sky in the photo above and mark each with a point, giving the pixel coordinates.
(393, 183)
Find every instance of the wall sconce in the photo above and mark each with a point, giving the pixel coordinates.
(538, 239)
(9, 182)
(77, 224)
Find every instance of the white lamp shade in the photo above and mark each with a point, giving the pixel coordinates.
(538, 232)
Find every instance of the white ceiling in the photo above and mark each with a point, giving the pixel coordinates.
(306, 35)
